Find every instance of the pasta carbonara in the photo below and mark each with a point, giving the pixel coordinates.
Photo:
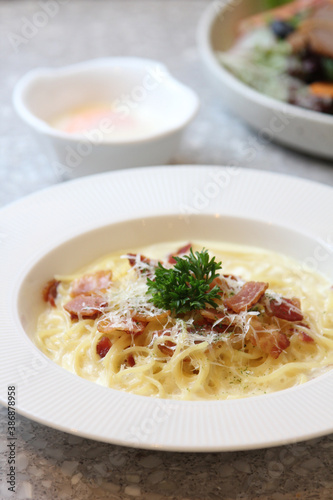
(268, 327)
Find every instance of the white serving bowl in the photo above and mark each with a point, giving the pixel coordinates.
(133, 85)
(302, 129)
(125, 209)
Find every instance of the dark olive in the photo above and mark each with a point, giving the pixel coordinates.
(281, 29)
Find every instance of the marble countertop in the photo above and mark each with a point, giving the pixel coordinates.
(51, 464)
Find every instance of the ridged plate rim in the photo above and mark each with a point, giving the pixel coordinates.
(49, 395)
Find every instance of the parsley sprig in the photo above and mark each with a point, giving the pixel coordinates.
(186, 286)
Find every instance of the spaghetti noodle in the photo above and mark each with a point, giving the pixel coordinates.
(102, 325)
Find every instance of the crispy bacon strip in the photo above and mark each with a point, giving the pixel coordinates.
(86, 306)
(305, 337)
(288, 309)
(301, 333)
(250, 293)
(181, 251)
(146, 260)
(211, 315)
(230, 276)
(216, 282)
(103, 346)
(166, 348)
(270, 342)
(109, 325)
(148, 269)
(147, 318)
(50, 292)
(92, 282)
(130, 360)
(204, 322)
(221, 283)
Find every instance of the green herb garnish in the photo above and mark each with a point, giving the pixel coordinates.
(186, 286)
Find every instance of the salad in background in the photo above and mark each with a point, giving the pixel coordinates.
(287, 53)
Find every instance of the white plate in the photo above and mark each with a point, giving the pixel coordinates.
(298, 128)
(66, 226)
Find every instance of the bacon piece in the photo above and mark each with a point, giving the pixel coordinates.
(301, 333)
(270, 342)
(147, 318)
(211, 315)
(216, 282)
(148, 265)
(250, 293)
(103, 346)
(132, 258)
(230, 276)
(205, 327)
(181, 251)
(93, 282)
(281, 343)
(86, 306)
(305, 337)
(130, 360)
(303, 324)
(109, 325)
(288, 309)
(166, 348)
(50, 291)
(198, 323)
(223, 283)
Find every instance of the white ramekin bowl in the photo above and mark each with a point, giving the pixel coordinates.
(133, 85)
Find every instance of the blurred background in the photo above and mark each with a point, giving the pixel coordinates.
(59, 32)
